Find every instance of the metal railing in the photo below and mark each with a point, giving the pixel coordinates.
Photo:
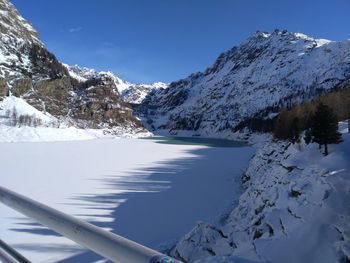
(9, 255)
(108, 245)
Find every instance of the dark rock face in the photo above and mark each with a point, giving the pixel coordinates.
(3, 88)
(45, 63)
(99, 103)
(21, 86)
(53, 95)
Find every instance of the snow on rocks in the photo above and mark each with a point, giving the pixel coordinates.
(294, 209)
(252, 81)
(21, 122)
(130, 92)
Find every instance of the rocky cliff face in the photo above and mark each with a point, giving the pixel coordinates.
(22, 54)
(255, 80)
(98, 101)
(30, 71)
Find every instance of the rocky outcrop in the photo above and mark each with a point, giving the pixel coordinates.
(3, 88)
(99, 103)
(21, 86)
(44, 63)
(53, 95)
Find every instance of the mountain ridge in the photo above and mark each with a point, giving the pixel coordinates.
(256, 79)
(133, 93)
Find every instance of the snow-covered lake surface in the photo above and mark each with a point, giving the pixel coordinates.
(151, 191)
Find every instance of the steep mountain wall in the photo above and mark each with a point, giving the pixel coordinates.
(254, 80)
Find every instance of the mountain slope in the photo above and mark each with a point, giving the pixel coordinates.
(28, 70)
(22, 54)
(255, 80)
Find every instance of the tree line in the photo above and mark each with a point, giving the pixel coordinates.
(318, 118)
(16, 119)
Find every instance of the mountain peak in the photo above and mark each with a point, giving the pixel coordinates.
(284, 35)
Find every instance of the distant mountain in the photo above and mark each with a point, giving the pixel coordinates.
(250, 82)
(28, 70)
(130, 92)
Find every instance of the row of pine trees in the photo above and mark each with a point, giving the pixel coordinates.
(319, 119)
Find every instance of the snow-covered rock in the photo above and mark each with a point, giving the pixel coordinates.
(136, 93)
(22, 54)
(294, 209)
(21, 122)
(130, 92)
(254, 80)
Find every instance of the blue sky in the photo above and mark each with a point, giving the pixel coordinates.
(165, 40)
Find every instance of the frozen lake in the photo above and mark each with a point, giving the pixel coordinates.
(152, 191)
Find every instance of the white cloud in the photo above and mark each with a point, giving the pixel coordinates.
(75, 29)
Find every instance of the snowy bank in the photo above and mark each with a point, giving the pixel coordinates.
(21, 122)
(295, 209)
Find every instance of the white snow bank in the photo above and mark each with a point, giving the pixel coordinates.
(13, 105)
(46, 134)
(21, 122)
(295, 209)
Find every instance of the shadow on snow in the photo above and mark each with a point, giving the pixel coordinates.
(162, 203)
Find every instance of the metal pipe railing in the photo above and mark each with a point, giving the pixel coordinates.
(5, 257)
(108, 245)
(9, 255)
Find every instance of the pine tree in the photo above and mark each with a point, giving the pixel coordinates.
(324, 128)
(308, 136)
(295, 131)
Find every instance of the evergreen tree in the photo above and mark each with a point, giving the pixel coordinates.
(308, 136)
(324, 128)
(295, 130)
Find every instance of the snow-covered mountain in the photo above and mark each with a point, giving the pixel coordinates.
(251, 81)
(130, 92)
(29, 71)
(136, 93)
(22, 54)
(247, 83)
